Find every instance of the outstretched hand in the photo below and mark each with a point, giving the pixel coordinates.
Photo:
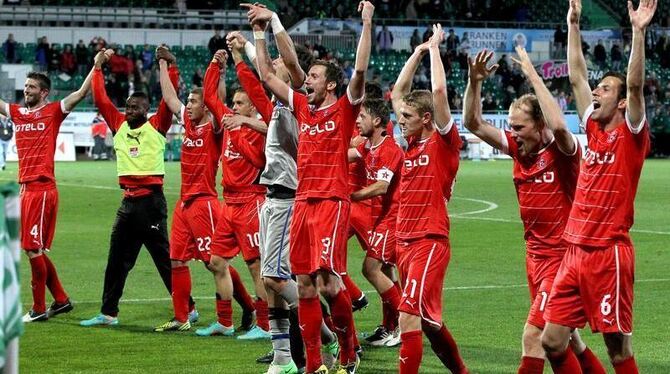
(641, 17)
(575, 12)
(236, 41)
(163, 53)
(220, 57)
(366, 9)
(102, 57)
(438, 36)
(524, 61)
(478, 70)
(258, 14)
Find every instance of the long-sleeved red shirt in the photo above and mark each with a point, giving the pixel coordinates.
(243, 155)
(134, 186)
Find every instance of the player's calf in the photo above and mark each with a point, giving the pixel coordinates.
(619, 347)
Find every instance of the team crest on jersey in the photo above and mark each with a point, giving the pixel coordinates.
(612, 137)
(541, 163)
(199, 131)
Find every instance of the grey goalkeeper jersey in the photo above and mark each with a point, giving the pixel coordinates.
(281, 149)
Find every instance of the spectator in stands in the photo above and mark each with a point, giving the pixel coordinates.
(9, 49)
(130, 52)
(600, 54)
(389, 92)
(68, 61)
(384, 40)
(6, 133)
(456, 103)
(97, 43)
(560, 39)
(410, 11)
(81, 53)
(427, 34)
(414, 41)
(42, 53)
(120, 68)
(489, 103)
(452, 41)
(616, 56)
(196, 80)
(147, 58)
(663, 51)
(216, 42)
(562, 101)
(141, 78)
(465, 46)
(99, 133)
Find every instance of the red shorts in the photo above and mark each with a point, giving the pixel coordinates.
(193, 229)
(318, 236)
(237, 230)
(422, 264)
(39, 207)
(382, 244)
(360, 223)
(540, 271)
(594, 285)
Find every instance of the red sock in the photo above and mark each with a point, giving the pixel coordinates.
(590, 363)
(352, 288)
(309, 315)
(53, 283)
(390, 303)
(565, 363)
(181, 290)
(531, 365)
(340, 309)
(262, 314)
(240, 293)
(38, 283)
(627, 366)
(411, 352)
(224, 311)
(444, 346)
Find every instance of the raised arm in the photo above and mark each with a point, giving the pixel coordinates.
(168, 91)
(71, 100)
(279, 88)
(438, 80)
(553, 116)
(639, 20)
(251, 145)
(211, 84)
(356, 88)
(472, 102)
(259, 13)
(403, 85)
(107, 109)
(162, 120)
(576, 62)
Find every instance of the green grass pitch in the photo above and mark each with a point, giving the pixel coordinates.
(485, 297)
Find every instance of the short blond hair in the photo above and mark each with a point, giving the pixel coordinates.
(421, 100)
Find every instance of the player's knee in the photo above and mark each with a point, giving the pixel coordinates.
(532, 338)
(409, 322)
(218, 265)
(306, 287)
(619, 346)
(34, 253)
(552, 342)
(273, 284)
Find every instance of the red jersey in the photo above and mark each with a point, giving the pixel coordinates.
(200, 153)
(545, 187)
(36, 133)
(389, 129)
(161, 121)
(428, 176)
(243, 157)
(323, 143)
(602, 212)
(383, 162)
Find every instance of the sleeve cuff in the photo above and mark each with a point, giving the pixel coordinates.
(351, 100)
(445, 130)
(62, 107)
(290, 99)
(587, 115)
(636, 129)
(182, 113)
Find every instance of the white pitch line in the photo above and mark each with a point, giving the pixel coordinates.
(453, 288)
(491, 206)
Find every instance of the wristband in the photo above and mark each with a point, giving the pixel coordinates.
(277, 27)
(250, 50)
(259, 35)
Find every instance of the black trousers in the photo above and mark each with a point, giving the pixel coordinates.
(139, 221)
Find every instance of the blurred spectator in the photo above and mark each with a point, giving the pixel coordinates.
(9, 49)
(452, 41)
(197, 78)
(414, 41)
(97, 43)
(562, 101)
(147, 58)
(489, 103)
(560, 40)
(42, 53)
(457, 103)
(600, 54)
(141, 78)
(81, 53)
(427, 34)
(6, 133)
(384, 40)
(616, 56)
(68, 61)
(465, 44)
(99, 133)
(216, 42)
(129, 52)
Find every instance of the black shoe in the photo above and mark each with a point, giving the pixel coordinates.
(359, 351)
(379, 337)
(248, 320)
(57, 308)
(266, 358)
(33, 316)
(359, 304)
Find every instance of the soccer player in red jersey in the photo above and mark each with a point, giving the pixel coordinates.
(422, 230)
(242, 161)
(36, 125)
(197, 211)
(321, 217)
(546, 165)
(382, 159)
(595, 281)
